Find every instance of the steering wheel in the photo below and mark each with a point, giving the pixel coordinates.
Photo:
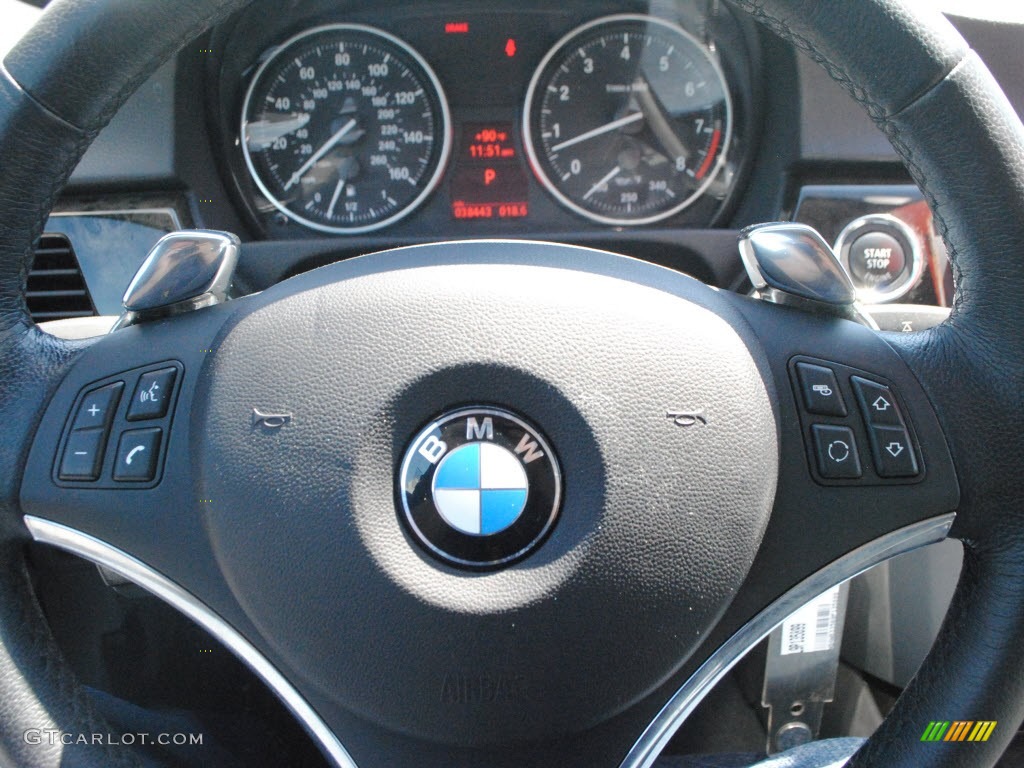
(679, 541)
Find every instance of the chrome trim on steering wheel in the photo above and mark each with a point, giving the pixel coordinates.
(101, 553)
(654, 738)
(671, 717)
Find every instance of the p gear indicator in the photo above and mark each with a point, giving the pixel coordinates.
(488, 181)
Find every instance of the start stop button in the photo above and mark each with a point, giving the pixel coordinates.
(877, 260)
(881, 254)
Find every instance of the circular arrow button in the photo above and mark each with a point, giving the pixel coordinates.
(836, 451)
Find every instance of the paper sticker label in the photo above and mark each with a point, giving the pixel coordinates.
(813, 627)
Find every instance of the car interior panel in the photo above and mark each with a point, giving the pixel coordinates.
(450, 384)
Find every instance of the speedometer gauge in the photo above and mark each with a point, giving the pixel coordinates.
(345, 129)
(627, 120)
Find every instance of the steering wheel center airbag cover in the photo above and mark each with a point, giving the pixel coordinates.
(660, 517)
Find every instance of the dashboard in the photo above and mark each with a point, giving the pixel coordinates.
(320, 130)
(469, 119)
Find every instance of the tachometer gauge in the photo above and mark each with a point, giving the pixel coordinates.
(627, 120)
(345, 129)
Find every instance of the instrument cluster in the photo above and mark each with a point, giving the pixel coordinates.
(423, 120)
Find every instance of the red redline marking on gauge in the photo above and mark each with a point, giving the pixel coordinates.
(716, 137)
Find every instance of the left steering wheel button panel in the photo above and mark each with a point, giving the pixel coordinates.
(103, 429)
(137, 452)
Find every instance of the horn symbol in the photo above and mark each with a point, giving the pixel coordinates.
(269, 420)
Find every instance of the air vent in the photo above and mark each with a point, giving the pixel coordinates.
(56, 288)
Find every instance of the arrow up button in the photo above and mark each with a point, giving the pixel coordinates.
(876, 403)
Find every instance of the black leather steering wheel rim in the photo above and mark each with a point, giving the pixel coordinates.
(64, 82)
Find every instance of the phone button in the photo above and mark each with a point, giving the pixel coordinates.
(137, 454)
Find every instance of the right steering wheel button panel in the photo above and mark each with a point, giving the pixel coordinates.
(881, 426)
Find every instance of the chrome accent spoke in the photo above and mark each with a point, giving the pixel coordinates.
(137, 572)
(671, 717)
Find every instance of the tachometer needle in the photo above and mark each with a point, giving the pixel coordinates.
(327, 147)
(334, 197)
(632, 118)
(607, 177)
(658, 120)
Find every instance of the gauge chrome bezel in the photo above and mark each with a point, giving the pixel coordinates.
(531, 91)
(446, 127)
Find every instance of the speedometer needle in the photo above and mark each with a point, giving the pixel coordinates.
(334, 197)
(598, 131)
(327, 147)
(607, 177)
(260, 134)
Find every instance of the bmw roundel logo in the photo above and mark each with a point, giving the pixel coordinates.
(480, 487)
